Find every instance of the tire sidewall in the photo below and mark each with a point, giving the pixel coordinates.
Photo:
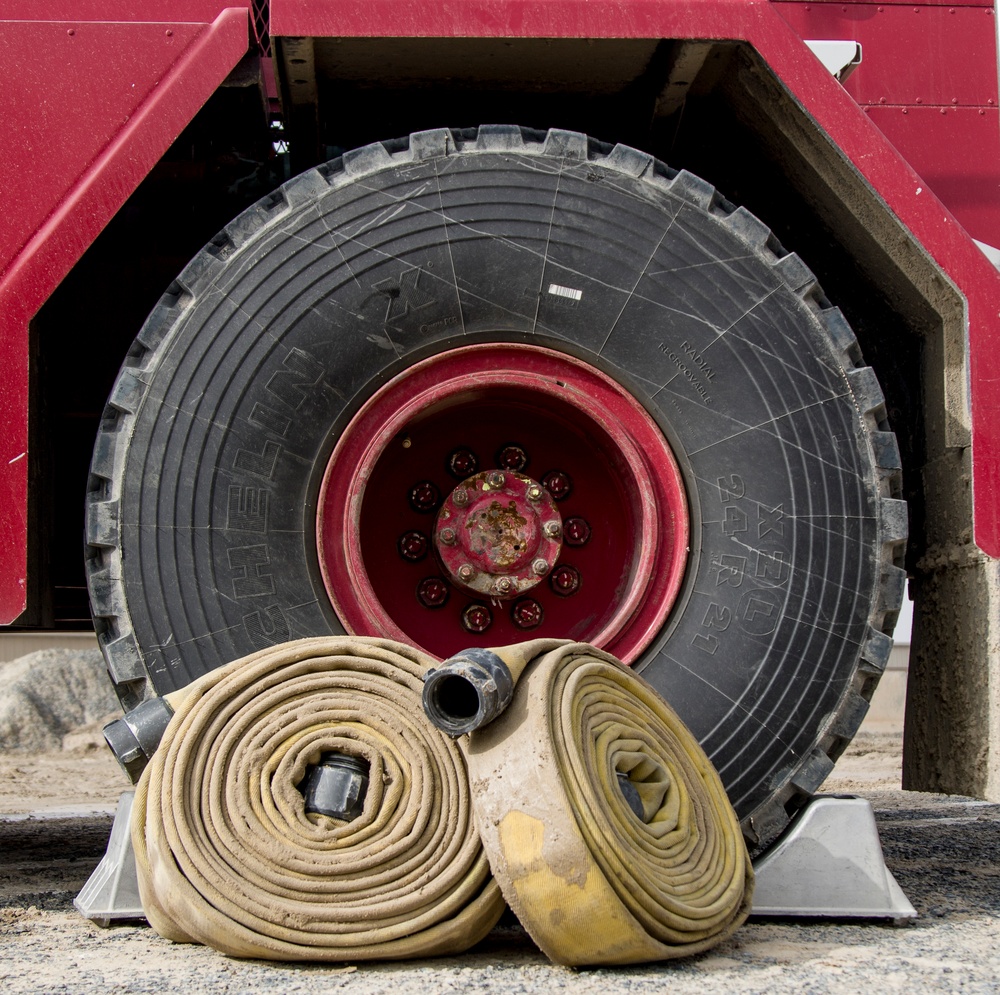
(254, 383)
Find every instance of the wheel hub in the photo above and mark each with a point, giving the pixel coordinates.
(499, 489)
(498, 533)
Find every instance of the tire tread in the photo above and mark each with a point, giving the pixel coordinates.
(124, 656)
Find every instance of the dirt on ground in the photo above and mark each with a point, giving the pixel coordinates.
(942, 850)
(55, 815)
(83, 777)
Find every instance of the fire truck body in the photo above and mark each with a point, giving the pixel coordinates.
(882, 180)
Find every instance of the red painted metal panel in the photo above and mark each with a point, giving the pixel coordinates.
(961, 165)
(64, 112)
(510, 18)
(13, 476)
(912, 54)
(956, 146)
(118, 11)
(93, 113)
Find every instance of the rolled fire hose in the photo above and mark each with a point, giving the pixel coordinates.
(605, 824)
(228, 855)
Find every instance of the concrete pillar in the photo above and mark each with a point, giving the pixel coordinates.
(952, 726)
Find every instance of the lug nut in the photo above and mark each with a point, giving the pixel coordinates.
(462, 463)
(558, 484)
(496, 479)
(476, 618)
(447, 536)
(534, 493)
(512, 457)
(527, 613)
(552, 529)
(466, 572)
(504, 585)
(412, 546)
(432, 592)
(424, 496)
(540, 566)
(565, 580)
(576, 531)
(460, 496)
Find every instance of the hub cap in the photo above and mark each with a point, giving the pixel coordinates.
(505, 526)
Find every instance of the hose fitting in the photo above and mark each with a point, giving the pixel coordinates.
(467, 691)
(134, 738)
(337, 786)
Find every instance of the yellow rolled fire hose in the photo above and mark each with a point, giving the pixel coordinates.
(227, 855)
(605, 825)
(594, 878)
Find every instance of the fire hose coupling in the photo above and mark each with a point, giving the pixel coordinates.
(134, 738)
(337, 786)
(467, 691)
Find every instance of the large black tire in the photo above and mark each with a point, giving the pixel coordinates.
(205, 476)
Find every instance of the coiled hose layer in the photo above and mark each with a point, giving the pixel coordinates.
(228, 856)
(594, 878)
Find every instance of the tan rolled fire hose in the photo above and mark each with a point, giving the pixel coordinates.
(589, 880)
(227, 856)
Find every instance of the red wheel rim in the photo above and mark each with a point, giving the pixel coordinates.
(390, 487)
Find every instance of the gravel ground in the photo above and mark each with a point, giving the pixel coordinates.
(942, 850)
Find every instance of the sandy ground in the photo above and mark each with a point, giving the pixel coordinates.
(943, 852)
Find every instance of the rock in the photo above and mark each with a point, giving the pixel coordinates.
(48, 694)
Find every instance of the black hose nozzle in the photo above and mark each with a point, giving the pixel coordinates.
(467, 691)
(337, 786)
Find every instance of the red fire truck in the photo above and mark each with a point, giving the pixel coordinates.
(658, 324)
